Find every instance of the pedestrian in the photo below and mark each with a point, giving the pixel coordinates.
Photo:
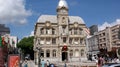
(51, 65)
(65, 65)
(26, 64)
(48, 63)
(116, 60)
(100, 62)
(43, 63)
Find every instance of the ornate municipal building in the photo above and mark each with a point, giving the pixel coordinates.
(60, 37)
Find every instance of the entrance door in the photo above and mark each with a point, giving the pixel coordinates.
(64, 56)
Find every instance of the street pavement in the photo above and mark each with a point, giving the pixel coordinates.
(30, 63)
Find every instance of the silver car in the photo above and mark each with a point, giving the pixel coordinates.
(112, 65)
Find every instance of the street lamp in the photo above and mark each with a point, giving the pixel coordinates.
(39, 55)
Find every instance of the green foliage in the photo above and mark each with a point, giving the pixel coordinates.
(26, 45)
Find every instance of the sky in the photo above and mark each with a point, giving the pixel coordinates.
(21, 15)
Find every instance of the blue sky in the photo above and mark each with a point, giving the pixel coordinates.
(21, 15)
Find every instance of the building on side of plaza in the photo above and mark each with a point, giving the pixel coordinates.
(109, 41)
(92, 43)
(92, 46)
(4, 30)
(60, 37)
(93, 29)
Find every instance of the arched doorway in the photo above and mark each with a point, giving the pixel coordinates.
(64, 53)
(64, 56)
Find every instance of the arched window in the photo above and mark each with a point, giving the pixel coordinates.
(64, 29)
(71, 53)
(54, 53)
(47, 53)
(42, 53)
(63, 20)
(76, 53)
(82, 52)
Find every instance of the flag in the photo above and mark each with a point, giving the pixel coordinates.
(3, 41)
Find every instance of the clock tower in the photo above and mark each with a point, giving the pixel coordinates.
(62, 13)
(63, 26)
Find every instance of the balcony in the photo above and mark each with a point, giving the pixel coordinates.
(48, 35)
(64, 34)
(81, 36)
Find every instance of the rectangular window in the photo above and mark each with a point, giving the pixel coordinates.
(75, 31)
(76, 41)
(47, 31)
(42, 31)
(70, 40)
(42, 41)
(53, 40)
(81, 41)
(53, 31)
(64, 39)
(47, 40)
(42, 53)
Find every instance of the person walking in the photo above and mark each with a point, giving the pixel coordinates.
(65, 65)
(26, 64)
(48, 63)
(43, 63)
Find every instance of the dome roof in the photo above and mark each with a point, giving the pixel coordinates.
(62, 3)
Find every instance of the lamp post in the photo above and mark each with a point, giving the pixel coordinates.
(39, 59)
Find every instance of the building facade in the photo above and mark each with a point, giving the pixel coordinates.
(93, 29)
(4, 30)
(92, 42)
(108, 39)
(60, 37)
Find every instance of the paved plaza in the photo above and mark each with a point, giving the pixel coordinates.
(69, 64)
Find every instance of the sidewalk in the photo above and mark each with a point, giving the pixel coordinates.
(30, 63)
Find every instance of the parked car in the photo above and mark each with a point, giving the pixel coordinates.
(112, 65)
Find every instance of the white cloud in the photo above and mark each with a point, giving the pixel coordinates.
(32, 33)
(13, 11)
(106, 24)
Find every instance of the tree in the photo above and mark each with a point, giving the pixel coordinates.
(26, 45)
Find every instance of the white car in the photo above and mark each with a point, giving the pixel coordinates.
(112, 65)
